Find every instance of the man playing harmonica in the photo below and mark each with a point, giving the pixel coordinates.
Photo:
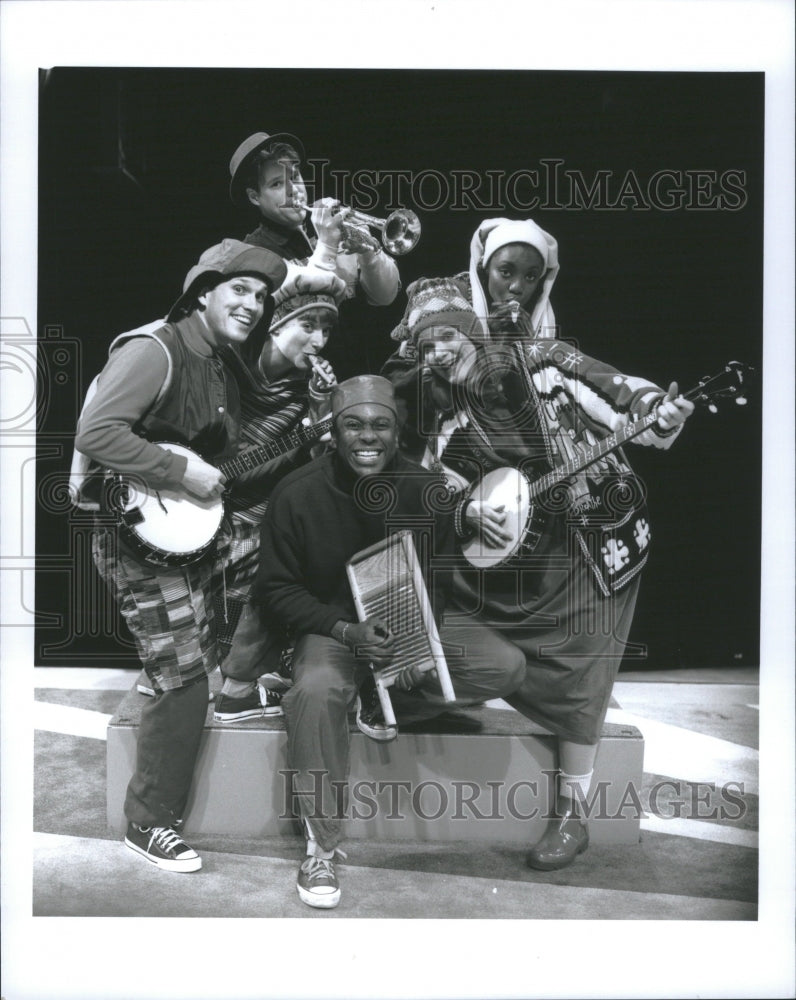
(289, 383)
(321, 516)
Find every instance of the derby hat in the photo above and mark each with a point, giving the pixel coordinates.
(245, 153)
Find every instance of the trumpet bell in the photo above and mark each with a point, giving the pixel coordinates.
(401, 231)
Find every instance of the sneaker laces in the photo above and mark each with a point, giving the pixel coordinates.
(322, 867)
(268, 696)
(318, 868)
(166, 838)
(370, 704)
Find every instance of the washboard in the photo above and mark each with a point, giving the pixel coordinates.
(386, 583)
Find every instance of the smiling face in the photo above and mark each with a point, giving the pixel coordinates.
(447, 352)
(281, 189)
(514, 273)
(366, 436)
(304, 335)
(232, 309)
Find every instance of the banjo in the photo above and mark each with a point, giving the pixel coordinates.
(172, 527)
(511, 488)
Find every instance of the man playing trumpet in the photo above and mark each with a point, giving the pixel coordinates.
(266, 173)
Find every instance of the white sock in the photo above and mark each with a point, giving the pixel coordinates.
(314, 849)
(237, 689)
(574, 786)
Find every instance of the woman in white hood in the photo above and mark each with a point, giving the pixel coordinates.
(482, 383)
(513, 266)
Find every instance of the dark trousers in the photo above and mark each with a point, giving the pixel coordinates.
(482, 665)
(256, 648)
(168, 744)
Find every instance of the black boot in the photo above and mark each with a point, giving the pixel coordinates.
(565, 838)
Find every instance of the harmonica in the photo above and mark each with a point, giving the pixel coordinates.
(315, 361)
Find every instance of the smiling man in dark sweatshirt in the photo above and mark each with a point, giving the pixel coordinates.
(320, 516)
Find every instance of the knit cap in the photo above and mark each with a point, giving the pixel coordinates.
(306, 288)
(437, 302)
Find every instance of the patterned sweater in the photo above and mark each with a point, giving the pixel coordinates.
(536, 405)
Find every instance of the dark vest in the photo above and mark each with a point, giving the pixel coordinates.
(200, 407)
(292, 244)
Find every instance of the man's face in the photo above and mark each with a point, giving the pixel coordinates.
(304, 335)
(514, 274)
(281, 193)
(366, 436)
(233, 308)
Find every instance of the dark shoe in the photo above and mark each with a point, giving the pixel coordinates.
(370, 718)
(317, 884)
(445, 722)
(261, 703)
(163, 847)
(565, 838)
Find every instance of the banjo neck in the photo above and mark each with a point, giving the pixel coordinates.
(255, 457)
(593, 453)
(512, 488)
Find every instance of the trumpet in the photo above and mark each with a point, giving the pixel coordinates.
(399, 232)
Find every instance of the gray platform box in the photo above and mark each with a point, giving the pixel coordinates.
(494, 786)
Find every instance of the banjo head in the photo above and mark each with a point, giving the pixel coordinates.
(510, 488)
(170, 526)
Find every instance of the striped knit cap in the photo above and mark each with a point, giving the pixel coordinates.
(437, 302)
(306, 287)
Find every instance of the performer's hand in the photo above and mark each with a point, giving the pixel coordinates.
(323, 378)
(408, 678)
(674, 409)
(509, 317)
(360, 240)
(320, 406)
(203, 480)
(488, 521)
(327, 220)
(371, 640)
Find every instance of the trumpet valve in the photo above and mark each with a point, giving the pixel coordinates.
(399, 232)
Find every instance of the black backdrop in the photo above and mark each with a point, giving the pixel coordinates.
(133, 178)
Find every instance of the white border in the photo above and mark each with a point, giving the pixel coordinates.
(84, 958)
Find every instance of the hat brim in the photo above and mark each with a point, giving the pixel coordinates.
(248, 262)
(236, 187)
